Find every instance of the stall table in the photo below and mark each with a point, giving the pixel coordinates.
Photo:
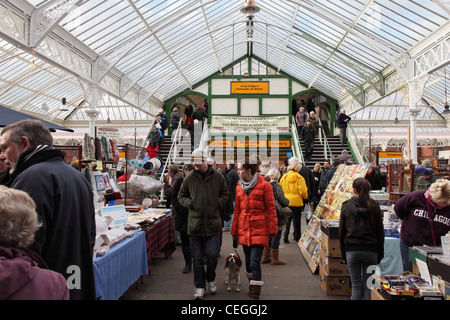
(160, 237)
(118, 269)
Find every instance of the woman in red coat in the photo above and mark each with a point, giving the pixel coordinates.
(254, 220)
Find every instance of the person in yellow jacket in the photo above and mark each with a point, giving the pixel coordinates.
(295, 189)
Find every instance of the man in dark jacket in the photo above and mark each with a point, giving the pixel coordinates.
(204, 192)
(330, 173)
(64, 203)
(308, 134)
(342, 123)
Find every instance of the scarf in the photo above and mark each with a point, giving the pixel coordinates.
(247, 186)
(430, 201)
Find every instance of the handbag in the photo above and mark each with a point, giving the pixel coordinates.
(307, 211)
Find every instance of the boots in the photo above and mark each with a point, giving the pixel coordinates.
(266, 255)
(254, 290)
(275, 257)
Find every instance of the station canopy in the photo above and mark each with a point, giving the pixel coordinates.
(126, 57)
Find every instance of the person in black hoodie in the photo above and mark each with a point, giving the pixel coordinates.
(361, 234)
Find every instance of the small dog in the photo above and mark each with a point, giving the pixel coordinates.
(233, 265)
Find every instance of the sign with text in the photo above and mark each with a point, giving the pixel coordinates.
(234, 122)
(249, 87)
(111, 133)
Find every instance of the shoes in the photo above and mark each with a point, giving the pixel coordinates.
(226, 230)
(286, 240)
(199, 293)
(254, 290)
(212, 287)
(187, 268)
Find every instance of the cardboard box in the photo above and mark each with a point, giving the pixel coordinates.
(330, 228)
(330, 247)
(334, 285)
(333, 266)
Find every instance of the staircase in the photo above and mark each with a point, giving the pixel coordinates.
(318, 154)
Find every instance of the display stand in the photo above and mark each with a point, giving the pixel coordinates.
(318, 244)
(403, 180)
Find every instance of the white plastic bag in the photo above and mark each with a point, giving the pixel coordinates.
(307, 211)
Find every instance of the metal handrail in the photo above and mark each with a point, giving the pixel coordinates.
(172, 150)
(356, 145)
(295, 141)
(205, 136)
(327, 145)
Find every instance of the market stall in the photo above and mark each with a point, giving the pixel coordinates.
(120, 267)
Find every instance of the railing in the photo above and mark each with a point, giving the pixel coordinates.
(327, 145)
(172, 153)
(356, 147)
(204, 140)
(296, 149)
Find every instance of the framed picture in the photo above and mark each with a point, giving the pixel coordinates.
(100, 182)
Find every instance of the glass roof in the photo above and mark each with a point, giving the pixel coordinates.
(142, 52)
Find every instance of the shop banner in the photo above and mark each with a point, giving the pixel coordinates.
(257, 123)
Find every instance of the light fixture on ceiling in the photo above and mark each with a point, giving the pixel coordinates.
(250, 8)
(396, 116)
(63, 106)
(446, 107)
(32, 64)
(44, 107)
(108, 119)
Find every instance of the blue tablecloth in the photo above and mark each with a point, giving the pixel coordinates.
(116, 271)
(392, 261)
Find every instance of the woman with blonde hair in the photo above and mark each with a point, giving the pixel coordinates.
(425, 216)
(295, 189)
(23, 274)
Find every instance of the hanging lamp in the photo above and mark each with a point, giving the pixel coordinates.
(446, 107)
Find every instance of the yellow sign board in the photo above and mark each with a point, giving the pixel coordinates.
(249, 87)
(383, 154)
(220, 143)
(250, 143)
(280, 143)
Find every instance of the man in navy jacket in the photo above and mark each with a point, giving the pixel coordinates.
(64, 203)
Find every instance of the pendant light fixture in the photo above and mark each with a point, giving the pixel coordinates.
(446, 107)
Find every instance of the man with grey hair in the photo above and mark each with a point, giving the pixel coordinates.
(64, 203)
(204, 192)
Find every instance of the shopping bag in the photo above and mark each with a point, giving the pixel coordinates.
(307, 211)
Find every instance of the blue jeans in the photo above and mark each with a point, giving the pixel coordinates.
(275, 243)
(200, 247)
(358, 262)
(253, 255)
(227, 224)
(404, 251)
